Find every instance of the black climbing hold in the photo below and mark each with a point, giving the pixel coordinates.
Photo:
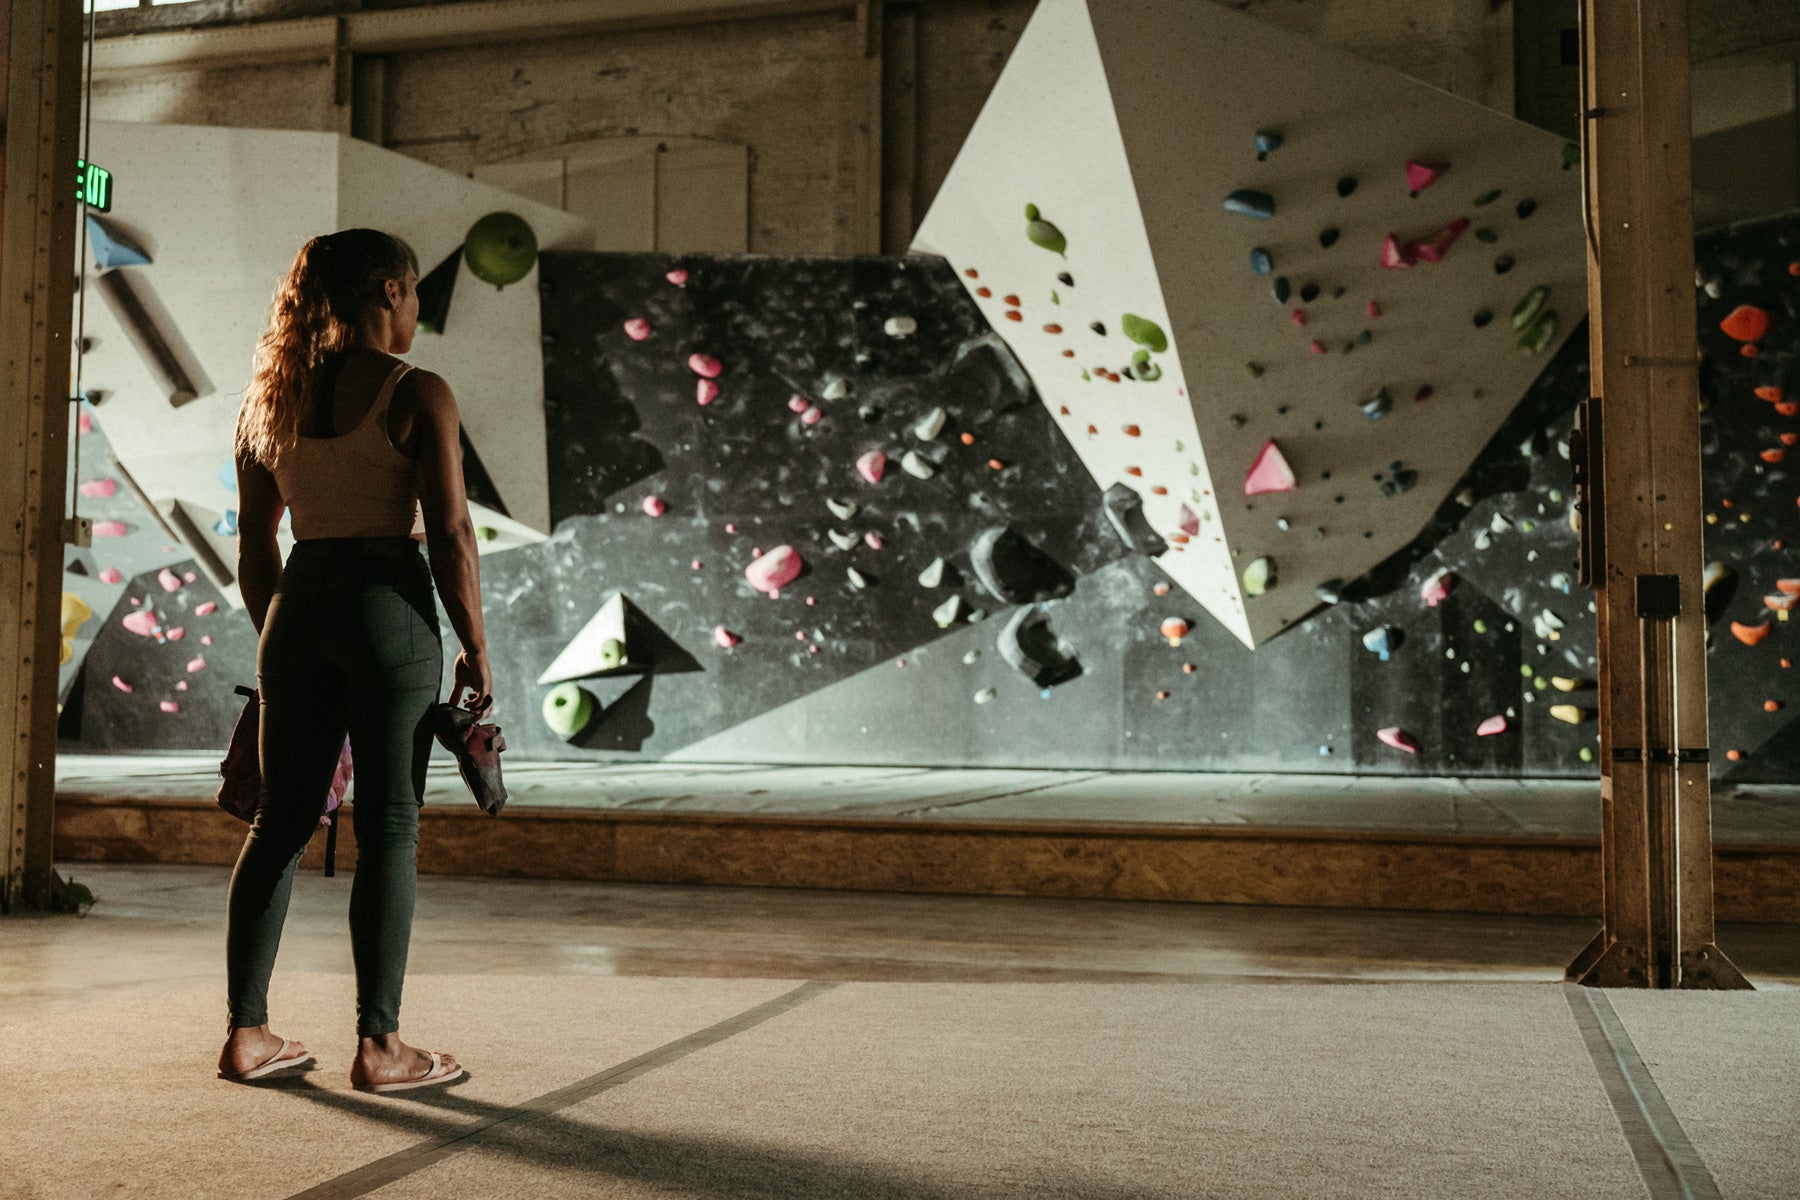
(1331, 591)
(1309, 293)
(1125, 509)
(1066, 279)
(1482, 317)
(1032, 648)
(1281, 410)
(1401, 482)
(1487, 198)
(1346, 185)
(1281, 289)
(1503, 264)
(1324, 474)
(1328, 236)
(869, 414)
(1247, 202)
(1526, 207)
(1098, 328)
(1267, 141)
(1015, 571)
(1337, 293)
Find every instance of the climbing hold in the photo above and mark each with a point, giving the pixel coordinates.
(1436, 588)
(1529, 306)
(1259, 576)
(1144, 332)
(857, 579)
(1270, 472)
(110, 529)
(1503, 264)
(812, 416)
(1547, 625)
(1143, 369)
(1394, 258)
(1398, 483)
(1281, 289)
(843, 510)
(1487, 235)
(1573, 714)
(121, 684)
(985, 696)
(1526, 207)
(1482, 317)
(1771, 393)
(637, 329)
(1420, 176)
(946, 614)
(110, 575)
(725, 638)
(917, 465)
(872, 466)
(1487, 198)
(899, 327)
(1266, 142)
(1432, 247)
(112, 246)
(171, 582)
(1032, 648)
(1346, 185)
(841, 539)
(1014, 570)
(705, 365)
(569, 709)
(933, 574)
(705, 392)
(678, 277)
(1383, 641)
(1328, 237)
(1248, 203)
(1490, 727)
(930, 425)
(1541, 333)
(774, 570)
(168, 706)
(500, 249)
(1042, 233)
(1399, 739)
(1564, 683)
(1125, 510)
(654, 506)
(872, 540)
(1174, 628)
(1260, 262)
(1750, 635)
(1378, 405)
(1330, 592)
(1746, 323)
(99, 489)
(206, 610)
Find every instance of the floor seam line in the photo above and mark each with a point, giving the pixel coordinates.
(369, 1177)
(1671, 1167)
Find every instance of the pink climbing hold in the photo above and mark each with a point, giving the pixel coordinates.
(1420, 176)
(812, 416)
(206, 610)
(678, 277)
(110, 529)
(1374, 310)
(181, 685)
(1393, 257)
(1317, 346)
(188, 576)
(168, 706)
(1188, 522)
(1435, 590)
(99, 489)
(1298, 317)
(171, 582)
(1436, 244)
(637, 329)
(1269, 473)
(111, 575)
(176, 634)
(705, 391)
(705, 365)
(725, 638)
(1490, 727)
(654, 506)
(85, 423)
(196, 664)
(206, 639)
(143, 623)
(872, 540)
(798, 403)
(872, 466)
(1399, 739)
(121, 684)
(775, 570)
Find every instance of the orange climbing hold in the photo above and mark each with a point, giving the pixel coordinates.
(1771, 393)
(1746, 323)
(1790, 586)
(1132, 431)
(1773, 456)
(1794, 268)
(1068, 354)
(1788, 408)
(1012, 301)
(984, 293)
(1750, 635)
(971, 272)
(1771, 706)
(1734, 755)
(968, 439)
(1135, 471)
(1013, 314)
(1053, 329)
(1749, 350)
(1788, 439)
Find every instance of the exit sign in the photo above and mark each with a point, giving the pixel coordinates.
(93, 185)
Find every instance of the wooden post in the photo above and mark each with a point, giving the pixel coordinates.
(38, 212)
(1641, 504)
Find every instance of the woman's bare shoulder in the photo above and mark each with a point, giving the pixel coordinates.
(425, 390)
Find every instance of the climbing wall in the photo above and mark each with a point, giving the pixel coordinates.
(1282, 294)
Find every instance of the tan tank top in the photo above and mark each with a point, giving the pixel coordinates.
(354, 484)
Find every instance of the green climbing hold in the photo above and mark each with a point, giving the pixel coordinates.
(1480, 625)
(486, 533)
(612, 654)
(1539, 335)
(1259, 576)
(1043, 233)
(500, 248)
(1255, 369)
(1031, 212)
(1571, 155)
(568, 709)
(1487, 234)
(1143, 368)
(1487, 198)
(1529, 306)
(1145, 333)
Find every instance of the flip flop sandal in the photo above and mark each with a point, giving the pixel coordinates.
(281, 1060)
(477, 749)
(432, 1078)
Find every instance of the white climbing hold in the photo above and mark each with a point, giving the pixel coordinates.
(1500, 523)
(947, 613)
(841, 539)
(917, 465)
(933, 575)
(931, 424)
(857, 579)
(836, 388)
(985, 695)
(843, 510)
(1259, 576)
(1436, 589)
(900, 327)
(654, 506)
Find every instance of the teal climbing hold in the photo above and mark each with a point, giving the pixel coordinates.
(1260, 262)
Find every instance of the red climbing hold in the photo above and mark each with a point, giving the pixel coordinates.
(1392, 256)
(1750, 635)
(984, 293)
(1011, 301)
(1420, 176)
(1773, 456)
(1298, 317)
(1771, 393)
(1374, 310)
(971, 272)
(1788, 439)
(1132, 431)
(1317, 346)
(1747, 323)
(1270, 472)
(1013, 314)
(1790, 587)
(1749, 350)
(1788, 408)
(1433, 247)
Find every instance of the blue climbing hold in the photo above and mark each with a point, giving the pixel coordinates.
(227, 477)
(1382, 641)
(1247, 203)
(112, 246)
(226, 526)
(1260, 262)
(1267, 142)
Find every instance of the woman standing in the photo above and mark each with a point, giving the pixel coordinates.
(366, 453)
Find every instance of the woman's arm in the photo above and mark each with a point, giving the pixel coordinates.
(259, 553)
(449, 533)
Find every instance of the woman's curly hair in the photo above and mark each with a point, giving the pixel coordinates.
(333, 282)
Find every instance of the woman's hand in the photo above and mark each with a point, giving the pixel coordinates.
(473, 673)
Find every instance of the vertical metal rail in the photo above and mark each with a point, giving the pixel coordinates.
(1639, 501)
(37, 284)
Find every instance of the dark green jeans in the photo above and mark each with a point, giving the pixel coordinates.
(350, 644)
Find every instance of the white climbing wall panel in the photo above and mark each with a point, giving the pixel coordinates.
(223, 212)
(1130, 155)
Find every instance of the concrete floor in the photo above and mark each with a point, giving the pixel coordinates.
(955, 1023)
